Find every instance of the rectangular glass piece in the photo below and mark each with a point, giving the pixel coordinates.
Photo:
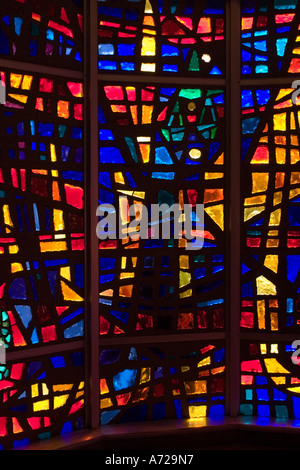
(41, 210)
(271, 210)
(161, 145)
(41, 398)
(48, 32)
(270, 35)
(270, 379)
(162, 381)
(185, 37)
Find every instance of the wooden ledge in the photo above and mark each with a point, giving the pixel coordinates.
(194, 434)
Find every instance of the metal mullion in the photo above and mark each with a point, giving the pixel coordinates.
(91, 203)
(41, 69)
(43, 350)
(162, 79)
(263, 336)
(267, 81)
(171, 338)
(233, 207)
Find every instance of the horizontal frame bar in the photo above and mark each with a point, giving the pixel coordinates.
(194, 81)
(174, 338)
(44, 350)
(42, 69)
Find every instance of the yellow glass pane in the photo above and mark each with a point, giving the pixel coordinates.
(60, 401)
(195, 154)
(279, 380)
(277, 198)
(125, 291)
(205, 362)
(133, 110)
(184, 278)
(280, 155)
(185, 294)
(213, 176)
(273, 366)
(274, 321)
(69, 294)
(66, 272)
(145, 374)
(119, 178)
(148, 21)
(261, 314)
(279, 121)
(148, 46)
(21, 98)
(16, 267)
(52, 246)
(263, 348)
(264, 286)
(260, 182)
(58, 219)
(105, 403)
(294, 193)
(275, 217)
(184, 262)
(62, 387)
(295, 177)
(148, 7)
(197, 411)
(195, 387)
(147, 114)
(15, 80)
(294, 140)
(41, 405)
(217, 214)
(147, 67)
(27, 81)
(295, 157)
(34, 390)
(271, 262)
(250, 212)
(250, 201)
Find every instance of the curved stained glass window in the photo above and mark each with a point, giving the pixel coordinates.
(271, 237)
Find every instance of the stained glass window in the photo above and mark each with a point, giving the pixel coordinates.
(49, 32)
(169, 139)
(181, 37)
(162, 144)
(158, 381)
(270, 32)
(42, 235)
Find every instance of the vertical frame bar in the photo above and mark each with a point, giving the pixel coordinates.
(91, 203)
(234, 207)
